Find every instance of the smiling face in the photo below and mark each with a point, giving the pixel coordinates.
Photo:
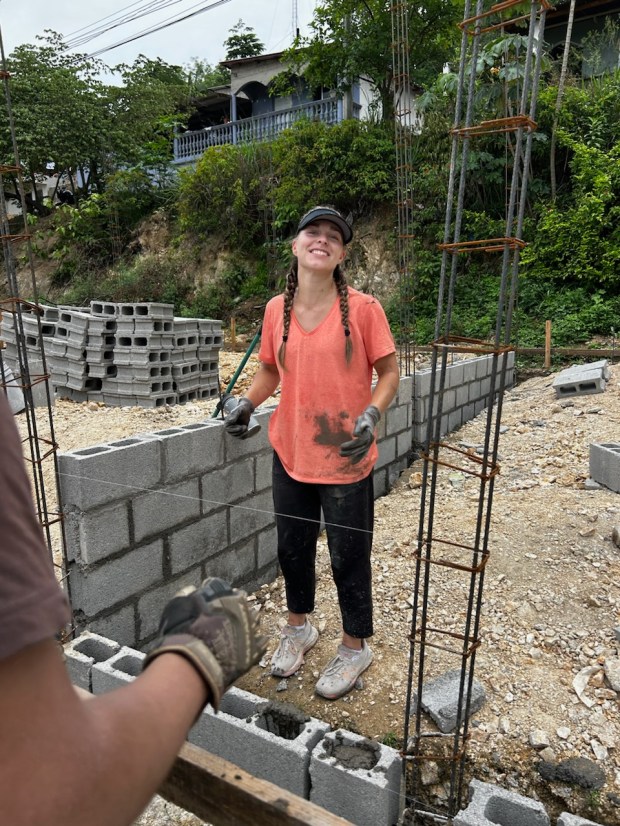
(319, 247)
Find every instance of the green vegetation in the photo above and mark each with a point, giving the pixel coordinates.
(248, 198)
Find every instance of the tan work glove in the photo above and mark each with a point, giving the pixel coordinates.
(215, 628)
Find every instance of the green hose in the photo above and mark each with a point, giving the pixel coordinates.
(231, 383)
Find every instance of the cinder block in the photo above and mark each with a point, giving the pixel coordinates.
(387, 451)
(566, 819)
(96, 590)
(235, 565)
(490, 805)
(95, 535)
(455, 375)
(189, 450)
(422, 383)
(579, 382)
(242, 448)
(83, 652)
(152, 603)
(356, 778)
(198, 542)
(102, 474)
(120, 625)
(605, 464)
(440, 699)
(254, 514)
(397, 419)
(228, 484)
(160, 511)
(267, 552)
(273, 744)
(142, 309)
(119, 670)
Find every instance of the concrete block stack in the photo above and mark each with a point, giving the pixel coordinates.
(67, 354)
(123, 354)
(34, 341)
(141, 359)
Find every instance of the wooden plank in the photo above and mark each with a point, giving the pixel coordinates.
(224, 795)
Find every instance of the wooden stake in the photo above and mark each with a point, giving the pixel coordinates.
(547, 344)
(233, 333)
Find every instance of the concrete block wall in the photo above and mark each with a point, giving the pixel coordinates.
(467, 391)
(147, 515)
(124, 354)
(273, 741)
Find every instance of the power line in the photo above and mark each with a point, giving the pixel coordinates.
(159, 4)
(90, 33)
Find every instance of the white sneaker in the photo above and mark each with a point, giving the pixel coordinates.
(340, 674)
(289, 654)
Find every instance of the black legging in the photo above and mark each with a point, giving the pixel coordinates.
(348, 511)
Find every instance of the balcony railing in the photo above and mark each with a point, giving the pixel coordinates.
(190, 146)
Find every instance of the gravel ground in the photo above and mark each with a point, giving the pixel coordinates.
(551, 605)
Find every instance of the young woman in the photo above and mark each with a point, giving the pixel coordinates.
(320, 341)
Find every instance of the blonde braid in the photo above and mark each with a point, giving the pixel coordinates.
(289, 295)
(343, 293)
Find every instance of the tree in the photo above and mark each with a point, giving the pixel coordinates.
(242, 42)
(351, 38)
(66, 119)
(202, 76)
(56, 103)
(558, 103)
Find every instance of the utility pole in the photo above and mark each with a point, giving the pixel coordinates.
(295, 20)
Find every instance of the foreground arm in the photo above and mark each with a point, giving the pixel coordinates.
(67, 762)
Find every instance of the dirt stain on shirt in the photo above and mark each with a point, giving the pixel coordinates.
(330, 431)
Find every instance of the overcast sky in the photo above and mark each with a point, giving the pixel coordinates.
(200, 36)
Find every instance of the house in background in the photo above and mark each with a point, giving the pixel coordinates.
(245, 112)
(590, 18)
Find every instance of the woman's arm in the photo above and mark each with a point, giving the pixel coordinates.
(388, 379)
(264, 384)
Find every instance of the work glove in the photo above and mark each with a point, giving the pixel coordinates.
(215, 629)
(236, 422)
(364, 433)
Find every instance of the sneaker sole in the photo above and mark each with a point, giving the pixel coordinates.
(300, 661)
(346, 691)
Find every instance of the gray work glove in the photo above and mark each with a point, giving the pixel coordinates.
(236, 422)
(364, 433)
(215, 629)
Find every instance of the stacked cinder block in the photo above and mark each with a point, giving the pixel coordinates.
(582, 379)
(123, 354)
(142, 354)
(68, 354)
(34, 343)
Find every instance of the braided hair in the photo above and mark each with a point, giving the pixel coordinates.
(289, 294)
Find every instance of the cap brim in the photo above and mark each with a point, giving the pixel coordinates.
(322, 214)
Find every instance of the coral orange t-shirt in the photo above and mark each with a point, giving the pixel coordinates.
(322, 395)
